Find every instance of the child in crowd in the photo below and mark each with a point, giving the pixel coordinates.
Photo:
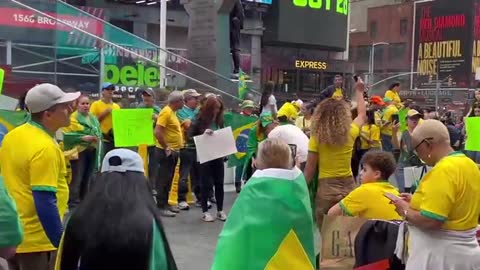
(369, 200)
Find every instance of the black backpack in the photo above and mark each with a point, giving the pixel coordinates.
(376, 241)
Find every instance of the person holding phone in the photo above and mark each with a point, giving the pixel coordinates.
(372, 199)
(389, 118)
(442, 215)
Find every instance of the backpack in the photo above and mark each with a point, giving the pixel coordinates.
(376, 242)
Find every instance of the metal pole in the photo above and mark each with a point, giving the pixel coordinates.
(437, 91)
(370, 66)
(9, 52)
(102, 69)
(373, 65)
(163, 41)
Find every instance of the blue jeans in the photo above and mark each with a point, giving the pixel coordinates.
(387, 143)
(238, 175)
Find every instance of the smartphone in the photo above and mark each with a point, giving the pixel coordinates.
(293, 149)
(391, 197)
(395, 118)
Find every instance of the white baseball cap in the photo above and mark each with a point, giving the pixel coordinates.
(122, 160)
(44, 96)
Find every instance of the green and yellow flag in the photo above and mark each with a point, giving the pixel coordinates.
(10, 120)
(241, 126)
(270, 225)
(242, 85)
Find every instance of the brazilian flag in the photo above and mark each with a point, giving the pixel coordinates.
(10, 120)
(270, 226)
(241, 126)
(242, 86)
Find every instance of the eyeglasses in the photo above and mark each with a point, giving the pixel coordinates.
(426, 140)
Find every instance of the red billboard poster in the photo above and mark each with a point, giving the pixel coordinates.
(29, 19)
(442, 47)
(476, 42)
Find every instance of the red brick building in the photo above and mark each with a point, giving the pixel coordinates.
(393, 24)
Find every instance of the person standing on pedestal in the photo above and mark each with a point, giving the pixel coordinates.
(237, 17)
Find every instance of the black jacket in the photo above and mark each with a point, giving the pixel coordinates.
(376, 241)
(237, 12)
(328, 93)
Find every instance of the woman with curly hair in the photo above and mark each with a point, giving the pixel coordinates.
(330, 150)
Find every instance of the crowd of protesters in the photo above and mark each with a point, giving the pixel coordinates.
(349, 153)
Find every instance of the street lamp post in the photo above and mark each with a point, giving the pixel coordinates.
(371, 66)
(163, 41)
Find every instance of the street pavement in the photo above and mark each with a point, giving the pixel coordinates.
(193, 241)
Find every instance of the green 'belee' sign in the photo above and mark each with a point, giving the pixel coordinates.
(138, 76)
(341, 5)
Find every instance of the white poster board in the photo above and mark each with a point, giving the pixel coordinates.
(414, 174)
(220, 144)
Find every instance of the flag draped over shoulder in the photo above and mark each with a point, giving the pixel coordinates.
(241, 126)
(10, 120)
(242, 85)
(270, 225)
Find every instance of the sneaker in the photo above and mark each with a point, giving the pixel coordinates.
(221, 216)
(207, 217)
(238, 187)
(183, 206)
(174, 209)
(198, 204)
(212, 200)
(167, 213)
(209, 205)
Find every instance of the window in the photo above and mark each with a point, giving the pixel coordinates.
(124, 24)
(379, 52)
(363, 54)
(403, 26)
(397, 51)
(373, 29)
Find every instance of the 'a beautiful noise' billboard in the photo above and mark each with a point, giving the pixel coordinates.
(442, 47)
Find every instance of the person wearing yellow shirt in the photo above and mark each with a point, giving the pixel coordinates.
(288, 113)
(304, 121)
(330, 150)
(33, 166)
(168, 132)
(370, 135)
(334, 91)
(368, 201)
(102, 109)
(82, 139)
(390, 116)
(443, 213)
(393, 94)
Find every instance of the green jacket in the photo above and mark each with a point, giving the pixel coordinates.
(11, 232)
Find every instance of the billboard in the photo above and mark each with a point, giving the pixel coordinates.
(442, 46)
(268, 2)
(309, 23)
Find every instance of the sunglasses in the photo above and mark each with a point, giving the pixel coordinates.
(426, 140)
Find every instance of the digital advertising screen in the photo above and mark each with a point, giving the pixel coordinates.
(268, 2)
(442, 47)
(319, 23)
